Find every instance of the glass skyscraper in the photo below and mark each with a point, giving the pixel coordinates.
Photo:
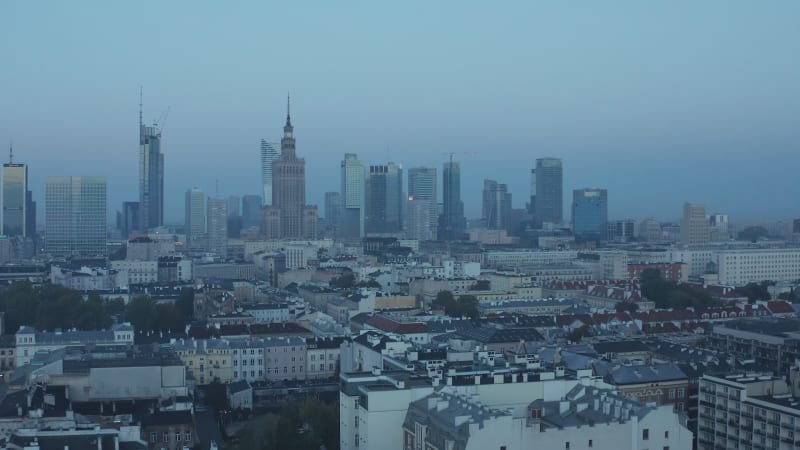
(75, 216)
(269, 152)
(547, 197)
(384, 198)
(151, 178)
(14, 213)
(589, 214)
(452, 223)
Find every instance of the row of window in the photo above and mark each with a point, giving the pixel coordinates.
(187, 437)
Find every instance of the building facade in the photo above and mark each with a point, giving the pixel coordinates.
(217, 230)
(195, 218)
(589, 214)
(75, 216)
(151, 177)
(354, 202)
(452, 222)
(496, 206)
(269, 152)
(13, 211)
(384, 212)
(548, 199)
(695, 227)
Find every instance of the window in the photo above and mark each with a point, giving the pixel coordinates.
(672, 394)
(178, 436)
(590, 443)
(166, 436)
(566, 445)
(666, 435)
(313, 356)
(153, 437)
(645, 434)
(188, 436)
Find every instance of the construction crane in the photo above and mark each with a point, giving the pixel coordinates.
(456, 153)
(161, 120)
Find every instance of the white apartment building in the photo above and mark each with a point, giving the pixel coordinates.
(739, 267)
(269, 312)
(696, 260)
(374, 405)
(29, 341)
(501, 259)
(747, 411)
(139, 272)
(584, 418)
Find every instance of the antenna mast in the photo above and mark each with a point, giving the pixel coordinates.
(11, 152)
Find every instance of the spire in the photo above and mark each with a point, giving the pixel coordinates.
(288, 111)
(11, 152)
(287, 129)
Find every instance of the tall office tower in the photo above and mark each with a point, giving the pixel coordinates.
(289, 184)
(333, 210)
(422, 192)
(719, 227)
(14, 209)
(151, 176)
(694, 225)
(217, 230)
(650, 230)
(422, 183)
(452, 224)
(234, 208)
(269, 152)
(251, 210)
(195, 222)
(353, 196)
(75, 216)
(421, 218)
(130, 219)
(590, 214)
(532, 204)
(384, 199)
(548, 197)
(30, 212)
(496, 205)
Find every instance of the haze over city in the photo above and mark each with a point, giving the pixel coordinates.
(658, 103)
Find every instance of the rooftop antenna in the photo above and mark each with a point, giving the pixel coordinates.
(140, 105)
(11, 152)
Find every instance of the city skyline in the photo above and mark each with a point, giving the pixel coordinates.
(627, 112)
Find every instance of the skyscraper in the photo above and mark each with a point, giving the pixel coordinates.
(421, 203)
(384, 198)
(422, 183)
(151, 176)
(353, 196)
(195, 222)
(130, 218)
(75, 216)
(269, 152)
(234, 206)
(695, 227)
(251, 210)
(452, 223)
(333, 210)
(496, 205)
(14, 209)
(217, 230)
(289, 188)
(590, 214)
(548, 197)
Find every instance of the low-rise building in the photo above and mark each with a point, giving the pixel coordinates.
(240, 395)
(30, 341)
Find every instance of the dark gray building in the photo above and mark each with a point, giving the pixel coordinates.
(548, 198)
(384, 198)
(452, 223)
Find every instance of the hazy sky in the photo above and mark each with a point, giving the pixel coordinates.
(659, 102)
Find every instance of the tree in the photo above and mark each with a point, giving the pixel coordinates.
(444, 300)
(142, 313)
(185, 302)
(216, 396)
(345, 281)
(467, 305)
(480, 285)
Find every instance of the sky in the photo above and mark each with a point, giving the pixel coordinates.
(658, 102)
